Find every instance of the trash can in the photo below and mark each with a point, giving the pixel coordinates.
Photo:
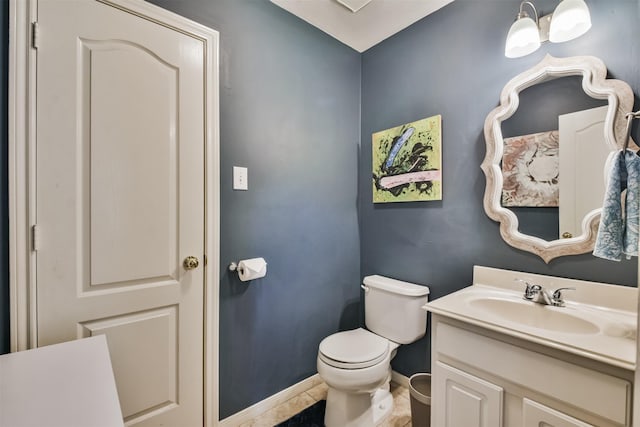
(420, 391)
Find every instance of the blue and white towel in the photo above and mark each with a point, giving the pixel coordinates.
(618, 229)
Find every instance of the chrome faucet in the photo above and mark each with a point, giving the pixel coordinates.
(540, 296)
(537, 294)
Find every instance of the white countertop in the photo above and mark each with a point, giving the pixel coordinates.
(608, 309)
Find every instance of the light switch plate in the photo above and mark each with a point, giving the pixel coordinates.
(240, 178)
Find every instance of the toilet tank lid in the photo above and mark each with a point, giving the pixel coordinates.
(396, 286)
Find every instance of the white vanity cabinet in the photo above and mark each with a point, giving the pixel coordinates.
(484, 378)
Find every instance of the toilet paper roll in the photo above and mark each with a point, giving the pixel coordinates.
(250, 269)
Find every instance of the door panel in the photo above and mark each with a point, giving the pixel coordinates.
(120, 200)
(151, 363)
(138, 243)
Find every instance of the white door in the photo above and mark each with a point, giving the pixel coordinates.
(463, 400)
(535, 414)
(583, 154)
(120, 200)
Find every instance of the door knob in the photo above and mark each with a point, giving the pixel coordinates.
(190, 263)
(567, 235)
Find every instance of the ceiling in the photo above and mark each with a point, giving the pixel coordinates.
(372, 21)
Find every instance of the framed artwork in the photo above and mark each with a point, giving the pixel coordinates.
(530, 170)
(407, 162)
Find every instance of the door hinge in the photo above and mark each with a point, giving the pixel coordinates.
(35, 35)
(35, 238)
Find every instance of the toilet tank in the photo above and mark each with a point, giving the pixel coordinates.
(393, 309)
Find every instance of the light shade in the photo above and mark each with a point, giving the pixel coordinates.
(523, 38)
(354, 5)
(571, 19)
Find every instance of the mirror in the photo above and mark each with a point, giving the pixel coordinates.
(557, 131)
(547, 141)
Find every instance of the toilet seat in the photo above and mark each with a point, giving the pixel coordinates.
(355, 349)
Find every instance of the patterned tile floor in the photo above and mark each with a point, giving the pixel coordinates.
(400, 417)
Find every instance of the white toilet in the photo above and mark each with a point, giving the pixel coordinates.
(356, 364)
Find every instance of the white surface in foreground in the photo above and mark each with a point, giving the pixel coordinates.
(66, 385)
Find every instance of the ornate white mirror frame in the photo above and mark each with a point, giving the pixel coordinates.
(595, 84)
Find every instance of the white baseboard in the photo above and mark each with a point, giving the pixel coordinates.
(399, 379)
(270, 402)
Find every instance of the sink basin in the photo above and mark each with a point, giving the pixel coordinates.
(600, 321)
(535, 315)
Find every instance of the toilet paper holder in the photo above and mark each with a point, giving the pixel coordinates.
(249, 269)
(234, 267)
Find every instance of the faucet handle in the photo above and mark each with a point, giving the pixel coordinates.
(530, 289)
(556, 297)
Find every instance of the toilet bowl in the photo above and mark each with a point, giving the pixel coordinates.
(356, 367)
(356, 364)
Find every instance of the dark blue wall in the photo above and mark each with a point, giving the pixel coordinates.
(290, 112)
(452, 63)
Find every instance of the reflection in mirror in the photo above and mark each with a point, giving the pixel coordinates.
(583, 155)
(547, 143)
(537, 177)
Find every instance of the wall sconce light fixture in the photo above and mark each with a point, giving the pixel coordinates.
(570, 19)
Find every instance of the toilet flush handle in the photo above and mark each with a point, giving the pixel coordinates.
(366, 288)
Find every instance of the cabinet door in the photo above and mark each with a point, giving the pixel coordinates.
(463, 400)
(536, 415)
